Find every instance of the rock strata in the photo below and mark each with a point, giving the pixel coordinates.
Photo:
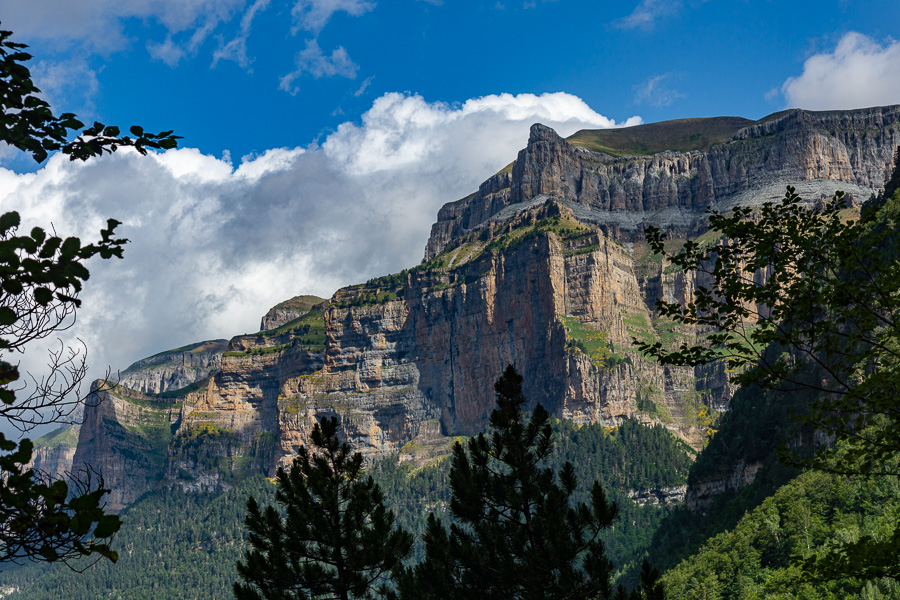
(817, 152)
(662, 496)
(54, 452)
(287, 311)
(544, 267)
(174, 369)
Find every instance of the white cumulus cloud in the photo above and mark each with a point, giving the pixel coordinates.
(859, 73)
(214, 245)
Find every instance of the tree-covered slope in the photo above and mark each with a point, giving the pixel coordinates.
(757, 557)
(182, 545)
(751, 540)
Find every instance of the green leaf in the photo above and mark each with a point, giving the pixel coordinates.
(49, 553)
(43, 296)
(7, 315)
(13, 286)
(107, 526)
(70, 248)
(8, 221)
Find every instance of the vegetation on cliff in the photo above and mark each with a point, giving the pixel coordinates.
(177, 544)
(680, 135)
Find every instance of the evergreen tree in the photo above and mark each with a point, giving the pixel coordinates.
(515, 535)
(335, 539)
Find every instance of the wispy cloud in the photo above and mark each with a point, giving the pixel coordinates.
(655, 91)
(313, 15)
(71, 84)
(311, 60)
(236, 49)
(98, 26)
(365, 85)
(859, 72)
(177, 46)
(647, 13)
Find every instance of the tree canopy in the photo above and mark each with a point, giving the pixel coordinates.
(42, 275)
(515, 534)
(331, 538)
(799, 297)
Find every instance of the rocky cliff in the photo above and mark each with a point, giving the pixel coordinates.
(817, 152)
(543, 267)
(288, 310)
(174, 369)
(53, 452)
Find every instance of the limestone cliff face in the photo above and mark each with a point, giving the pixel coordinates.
(818, 152)
(544, 267)
(232, 427)
(701, 494)
(54, 452)
(125, 437)
(287, 311)
(174, 369)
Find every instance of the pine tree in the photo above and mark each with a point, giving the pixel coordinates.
(335, 539)
(516, 534)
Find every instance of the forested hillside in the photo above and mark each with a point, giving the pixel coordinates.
(182, 545)
(757, 557)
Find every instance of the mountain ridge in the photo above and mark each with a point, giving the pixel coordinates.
(543, 267)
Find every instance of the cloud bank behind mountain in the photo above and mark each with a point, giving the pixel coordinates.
(214, 244)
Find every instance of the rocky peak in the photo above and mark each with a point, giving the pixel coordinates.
(817, 152)
(541, 133)
(174, 369)
(287, 311)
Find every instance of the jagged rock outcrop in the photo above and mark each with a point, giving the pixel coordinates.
(287, 311)
(174, 369)
(660, 496)
(818, 152)
(54, 452)
(544, 268)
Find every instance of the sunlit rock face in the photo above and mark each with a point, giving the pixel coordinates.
(544, 268)
(817, 152)
(53, 453)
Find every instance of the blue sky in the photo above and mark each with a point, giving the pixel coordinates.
(249, 75)
(322, 136)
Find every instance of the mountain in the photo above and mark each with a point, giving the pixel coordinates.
(543, 267)
(288, 310)
(174, 369)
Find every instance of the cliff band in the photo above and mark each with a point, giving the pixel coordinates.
(544, 267)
